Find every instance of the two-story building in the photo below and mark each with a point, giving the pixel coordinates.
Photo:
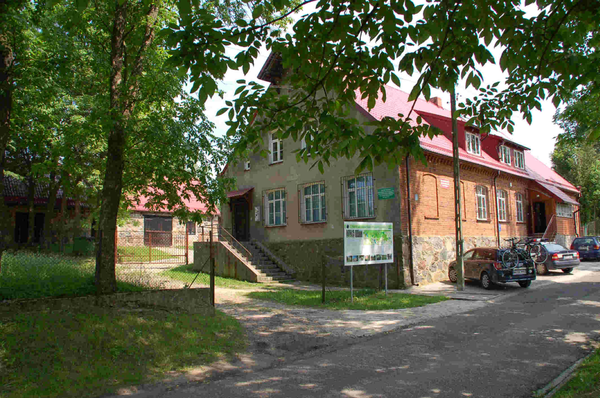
(298, 213)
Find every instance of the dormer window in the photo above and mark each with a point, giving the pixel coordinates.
(519, 160)
(505, 154)
(276, 149)
(473, 143)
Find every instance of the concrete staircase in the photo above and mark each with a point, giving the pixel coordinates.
(264, 263)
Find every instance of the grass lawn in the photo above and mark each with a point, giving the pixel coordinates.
(185, 273)
(586, 382)
(76, 354)
(366, 299)
(35, 275)
(139, 254)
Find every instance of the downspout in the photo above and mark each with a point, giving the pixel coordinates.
(575, 221)
(496, 205)
(410, 242)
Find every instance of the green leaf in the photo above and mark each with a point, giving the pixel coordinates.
(257, 12)
(222, 111)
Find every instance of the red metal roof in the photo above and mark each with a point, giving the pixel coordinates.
(239, 192)
(557, 193)
(397, 102)
(192, 204)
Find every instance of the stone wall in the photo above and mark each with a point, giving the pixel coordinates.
(306, 258)
(564, 240)
(194, 301)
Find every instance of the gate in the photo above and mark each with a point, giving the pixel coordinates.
(153, 247)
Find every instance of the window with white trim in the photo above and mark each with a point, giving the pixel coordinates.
(519, 202)
(275, 211)
(313, 204)
(564, 210)
(247, 165)
(502, 212)
(275, 149)
(359, 197)
(519, 160)
(473, 143)
(505, 154)
(481, 193)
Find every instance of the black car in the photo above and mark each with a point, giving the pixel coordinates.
(588, 247)
(485, 265)
(558, 257)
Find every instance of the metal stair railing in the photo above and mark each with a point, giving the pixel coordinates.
(224, 236)
(550, 232)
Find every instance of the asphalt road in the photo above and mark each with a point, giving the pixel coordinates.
(515, 345)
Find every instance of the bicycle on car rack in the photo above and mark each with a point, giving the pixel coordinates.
(530, 248)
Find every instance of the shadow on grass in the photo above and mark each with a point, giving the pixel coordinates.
(365, 299)
(96, 352)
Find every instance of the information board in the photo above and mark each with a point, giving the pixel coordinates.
(368, 243)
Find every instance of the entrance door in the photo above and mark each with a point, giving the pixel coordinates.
(539, 217)
(241, 220)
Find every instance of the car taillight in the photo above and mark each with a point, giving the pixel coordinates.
(576, 254)
(497, 265)
(596, 247)
(555, 256)
(572, 246)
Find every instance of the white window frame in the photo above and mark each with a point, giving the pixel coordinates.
(564, 210)
(308, 200)
(366, 192)
(473, 143)
(505, 154)
(270, 207)
(275, 149)
(481, 193)
(519, 205)
(502, 205)
(519, 160)
(247, 165)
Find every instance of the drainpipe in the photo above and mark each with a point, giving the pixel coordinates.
(575, 221)
(410, 243)
(496, 205)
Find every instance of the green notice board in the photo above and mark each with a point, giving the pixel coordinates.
(385, 193)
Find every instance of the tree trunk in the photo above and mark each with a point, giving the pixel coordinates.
(123, 93)
(6, 59)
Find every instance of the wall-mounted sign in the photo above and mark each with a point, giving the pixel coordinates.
(368, 243)
(256, 213)
(385, 193)
(444, 183)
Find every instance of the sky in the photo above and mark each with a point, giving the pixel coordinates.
(539, 136)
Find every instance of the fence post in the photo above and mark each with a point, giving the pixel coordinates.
(150, 246)
(187, 247)
(323, 280)
(212, 271)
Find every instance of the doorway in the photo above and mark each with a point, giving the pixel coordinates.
(241, 219)
(539, 217)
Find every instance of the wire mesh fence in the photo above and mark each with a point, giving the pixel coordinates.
(142, 262)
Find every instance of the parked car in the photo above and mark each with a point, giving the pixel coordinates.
(485, 265)
(559, 257)
(588, 247)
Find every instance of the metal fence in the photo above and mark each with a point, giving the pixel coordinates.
(144, 261)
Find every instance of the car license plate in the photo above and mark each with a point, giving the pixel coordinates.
(583, 247)
(567, 256)
(519, 272)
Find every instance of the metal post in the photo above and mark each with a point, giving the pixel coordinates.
(351, 285)
(150, 247)
(187, 247)
(460, 284)
(323, 280)
(385, 276)
(212, 271)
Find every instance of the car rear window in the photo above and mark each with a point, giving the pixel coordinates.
(584, 241)
(553, 247)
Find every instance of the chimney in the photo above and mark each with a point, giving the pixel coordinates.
(437, 101)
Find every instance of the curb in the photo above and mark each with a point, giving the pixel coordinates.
(552, 388)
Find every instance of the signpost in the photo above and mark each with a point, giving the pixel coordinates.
(386, 193)
(368, 243)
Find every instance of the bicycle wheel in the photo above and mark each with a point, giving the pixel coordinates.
(509, 258)
(538, 254)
